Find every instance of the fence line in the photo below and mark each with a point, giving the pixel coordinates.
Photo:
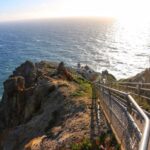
(119, 108)
(140, 89)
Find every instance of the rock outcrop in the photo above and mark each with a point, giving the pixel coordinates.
(47, 106)
(61, 70)
(142, 77)
(38, 110)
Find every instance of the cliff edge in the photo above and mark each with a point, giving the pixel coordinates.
(44, 106)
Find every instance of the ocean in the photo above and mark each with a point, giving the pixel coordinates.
(123, 48)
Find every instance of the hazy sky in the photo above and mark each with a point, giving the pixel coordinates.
(27, 9)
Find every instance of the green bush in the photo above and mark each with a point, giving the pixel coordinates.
(84, 145)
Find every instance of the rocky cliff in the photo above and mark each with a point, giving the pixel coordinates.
(44, 106)
(47, 106)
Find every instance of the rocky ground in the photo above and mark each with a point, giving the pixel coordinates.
(46, 106)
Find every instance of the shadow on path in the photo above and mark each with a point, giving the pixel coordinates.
(95, 125)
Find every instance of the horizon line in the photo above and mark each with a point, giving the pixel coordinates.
(57, 17)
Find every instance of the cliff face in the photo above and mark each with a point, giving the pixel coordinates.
(43, 108)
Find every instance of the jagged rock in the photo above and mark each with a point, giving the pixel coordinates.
(28, 71)
(34, 107)
(13, 100)
(14, 84)
(64, 72)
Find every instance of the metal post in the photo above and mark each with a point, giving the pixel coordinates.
(138, 88)
(110, 106)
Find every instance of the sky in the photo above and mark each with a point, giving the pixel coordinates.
(33, 9)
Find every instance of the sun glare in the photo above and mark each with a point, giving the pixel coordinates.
(127, 9)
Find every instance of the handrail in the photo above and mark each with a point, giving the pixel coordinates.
(134, 83)
(146, 130)
(138, 88)
(131, 85)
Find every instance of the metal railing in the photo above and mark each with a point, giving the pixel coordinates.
(140, 91)
(136, 88)
(122, 112)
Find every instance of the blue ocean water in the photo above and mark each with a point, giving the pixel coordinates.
(123, 49)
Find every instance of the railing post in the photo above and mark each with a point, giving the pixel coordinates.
(117, 85)
(110, 105)
(103, 91)
(139, 91)
(126, 87)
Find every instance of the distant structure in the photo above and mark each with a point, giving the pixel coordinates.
(87, 72)
(79, 65)
(104, 76)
